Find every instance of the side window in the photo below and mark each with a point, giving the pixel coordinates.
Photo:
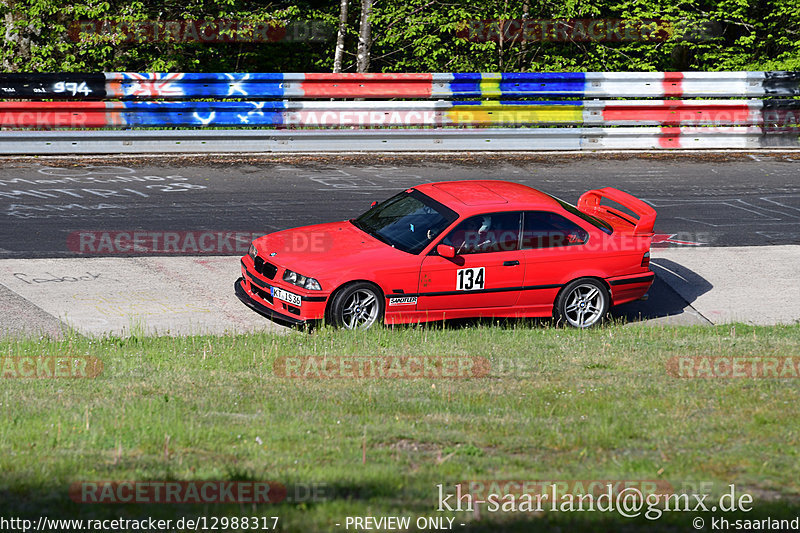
(492, 232)
(543, 229)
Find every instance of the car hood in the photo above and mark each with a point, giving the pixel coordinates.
(314, 250)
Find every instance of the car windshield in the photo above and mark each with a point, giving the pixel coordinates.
(408, 221)
(602, 225)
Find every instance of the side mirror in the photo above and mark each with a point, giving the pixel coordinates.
(446, 251)
(373, 204)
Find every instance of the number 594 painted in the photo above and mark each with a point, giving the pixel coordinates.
(457, 249)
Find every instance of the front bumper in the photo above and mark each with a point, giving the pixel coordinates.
(263, 309)
(257, 286)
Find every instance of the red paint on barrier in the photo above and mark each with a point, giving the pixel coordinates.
(679, 112)
(59, 114)
(673, 84)
(670, 137)
(325, 85)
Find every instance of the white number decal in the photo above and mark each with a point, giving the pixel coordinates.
(469, 279)
(72, 87)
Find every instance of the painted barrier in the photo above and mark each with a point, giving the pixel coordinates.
(176, 86)
(320, 114)
(274, 112)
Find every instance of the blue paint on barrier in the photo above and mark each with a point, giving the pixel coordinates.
(143, 85)
(519, 84)
(467, 84)
(542, 102)
(246, 114)
(543, 83)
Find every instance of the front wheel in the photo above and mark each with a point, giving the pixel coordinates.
(582, 304)
(357, 306)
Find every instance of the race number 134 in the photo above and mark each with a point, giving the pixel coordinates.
(469, 279)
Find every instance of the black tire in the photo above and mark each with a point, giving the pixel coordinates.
(359, 305)
(579, 297)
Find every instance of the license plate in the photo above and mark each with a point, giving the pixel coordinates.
(286, 296)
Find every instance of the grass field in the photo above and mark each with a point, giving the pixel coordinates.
(556, 404)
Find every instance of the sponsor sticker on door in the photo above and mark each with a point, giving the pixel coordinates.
(403, 300)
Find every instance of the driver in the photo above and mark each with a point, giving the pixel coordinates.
(471, 235)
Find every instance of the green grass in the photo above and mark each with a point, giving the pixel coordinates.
(557, 404)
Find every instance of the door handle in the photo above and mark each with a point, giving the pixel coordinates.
(510, 263)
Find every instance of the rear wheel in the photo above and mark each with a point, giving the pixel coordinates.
(356, 306)
(582, 304)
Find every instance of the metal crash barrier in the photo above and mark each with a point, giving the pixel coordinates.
(122, 112)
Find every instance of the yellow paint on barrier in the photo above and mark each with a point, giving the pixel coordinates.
(494, 113)
(490, 84)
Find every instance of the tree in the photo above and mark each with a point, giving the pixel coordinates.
(403, 36)
(337, 58)
(364, 37)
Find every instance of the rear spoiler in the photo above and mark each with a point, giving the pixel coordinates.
(589, 203)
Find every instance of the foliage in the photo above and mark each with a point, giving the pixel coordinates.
(409, 36)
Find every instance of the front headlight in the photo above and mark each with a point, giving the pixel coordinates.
(301, 281)
(252, 252)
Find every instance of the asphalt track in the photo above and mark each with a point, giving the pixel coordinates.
(728, 225)
(723, 201)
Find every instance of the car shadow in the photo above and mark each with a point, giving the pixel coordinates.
(671, 295)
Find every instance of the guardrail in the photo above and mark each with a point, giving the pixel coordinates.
(172, 86)
(295, 112)
(314, 114)
(398, 140)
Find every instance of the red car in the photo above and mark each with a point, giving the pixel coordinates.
(457, 249)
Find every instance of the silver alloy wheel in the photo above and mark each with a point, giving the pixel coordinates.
(585, 305)
(360, 310)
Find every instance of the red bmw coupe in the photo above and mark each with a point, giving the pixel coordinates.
(457, 249)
